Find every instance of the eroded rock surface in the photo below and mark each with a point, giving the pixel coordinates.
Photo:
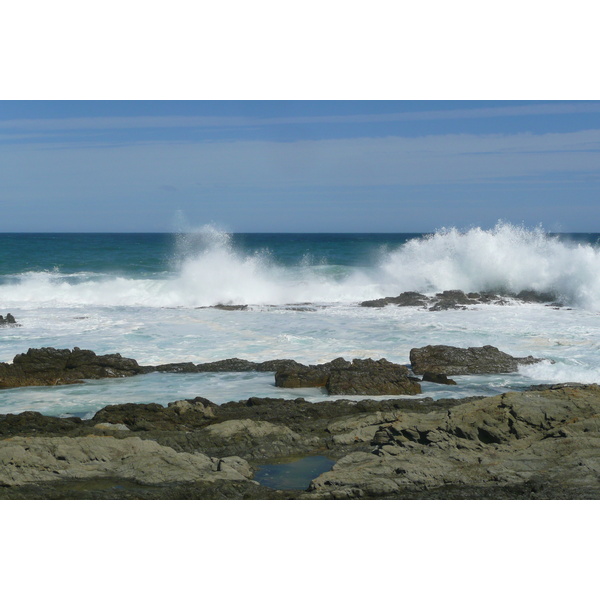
(50, 366)
(457, 299)
(449, 360)
(359, 377)
(26, 460)
(547, 439)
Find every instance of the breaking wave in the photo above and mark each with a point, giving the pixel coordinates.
(207, 269)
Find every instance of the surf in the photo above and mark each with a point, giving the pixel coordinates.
(208, 268)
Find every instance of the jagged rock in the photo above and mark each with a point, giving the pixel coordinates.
(438, 378)
(360, 377)
(8, 321)
(450, 360)
(452, 299)
(549, 438)
(404, 299)
(28, 460)
(183, 415)
(50, 366)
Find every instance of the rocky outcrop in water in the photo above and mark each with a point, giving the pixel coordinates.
(359, 377)
(459, 300)
(404, 299)
(228, 365)
(8, 321)
(542, 443)
(449, 360)
(49, 366)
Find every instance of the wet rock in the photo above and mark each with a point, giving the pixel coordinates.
(359, 377)
(183, 415)
(8, 321)
(452, 299)
(450, 360)
(186, 367)
(365, 377)
(535, 297)
(230, 306)
(404, 299)
(239, 365)
(50, 366)
(34, 423)
(438, 378)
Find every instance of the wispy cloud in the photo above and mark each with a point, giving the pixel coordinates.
(38, 170)
(41, 125)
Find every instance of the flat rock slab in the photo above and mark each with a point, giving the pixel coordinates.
(25, 460)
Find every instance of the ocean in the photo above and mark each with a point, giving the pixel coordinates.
(150, 297)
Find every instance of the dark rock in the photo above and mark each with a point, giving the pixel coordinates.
(533, 296)
(404, 299)
(230, 306)
(452, 299)
(360, 377)
(50, 366)
(277, 365)
(8, 321)
(183, 415)
(465, 361)
(234, 365)
(32, 423)
(438, 378)
(379, 303)
(187, 367)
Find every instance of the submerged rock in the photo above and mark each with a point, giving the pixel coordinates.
(49, 366)
(450, 360)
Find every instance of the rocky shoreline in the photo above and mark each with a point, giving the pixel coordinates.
(540, 443)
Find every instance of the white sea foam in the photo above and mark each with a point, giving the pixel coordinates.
(208, 269)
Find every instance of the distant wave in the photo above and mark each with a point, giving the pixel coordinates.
(207, 270)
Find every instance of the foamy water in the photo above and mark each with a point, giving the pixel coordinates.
(208, 270)
(156, 319)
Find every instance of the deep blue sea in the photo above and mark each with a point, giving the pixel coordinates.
(149, 297)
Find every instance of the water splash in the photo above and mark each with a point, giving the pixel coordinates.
(208, 269)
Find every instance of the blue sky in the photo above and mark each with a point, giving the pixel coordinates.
(308, 166)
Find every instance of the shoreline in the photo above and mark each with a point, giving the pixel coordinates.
(543, 444)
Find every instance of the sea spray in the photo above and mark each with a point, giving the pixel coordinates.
(209, 267)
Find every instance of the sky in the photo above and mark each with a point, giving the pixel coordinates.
(298, 166)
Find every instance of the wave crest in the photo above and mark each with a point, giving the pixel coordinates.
(207, 269)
